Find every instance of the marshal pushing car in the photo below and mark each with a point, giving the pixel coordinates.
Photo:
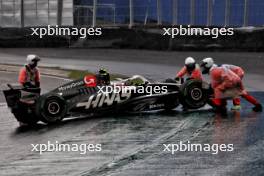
(84, 97)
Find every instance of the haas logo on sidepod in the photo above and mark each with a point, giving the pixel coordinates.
(100, 99)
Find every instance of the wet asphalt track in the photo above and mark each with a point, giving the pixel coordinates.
(132, 144)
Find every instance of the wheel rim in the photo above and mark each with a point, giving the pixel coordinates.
(53, 108)
(196, 94)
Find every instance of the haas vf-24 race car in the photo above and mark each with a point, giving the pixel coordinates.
(76, 98)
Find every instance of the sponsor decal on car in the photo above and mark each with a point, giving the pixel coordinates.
(108, 99)
(90, 81)
(153, 106)
(70, 86)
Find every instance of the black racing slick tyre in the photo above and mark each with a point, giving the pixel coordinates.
(193, 95)
(51, 109)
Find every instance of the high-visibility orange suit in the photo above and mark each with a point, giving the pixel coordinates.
(28, 75)
(223, 79)
(194, 74)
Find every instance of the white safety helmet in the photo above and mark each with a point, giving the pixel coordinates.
(189, 60)
(32, 58)
(207, 64)
(190, 64)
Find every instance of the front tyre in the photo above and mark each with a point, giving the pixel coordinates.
(51, 109)
(193, 95)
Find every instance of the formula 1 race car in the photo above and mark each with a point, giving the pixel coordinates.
(84, 98)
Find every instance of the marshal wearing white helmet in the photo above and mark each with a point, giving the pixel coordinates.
(207, 64)
(29, 75)
(191, 69)
(227, 78)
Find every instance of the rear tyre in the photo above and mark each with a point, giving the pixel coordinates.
(51, 109)
(193, 95)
